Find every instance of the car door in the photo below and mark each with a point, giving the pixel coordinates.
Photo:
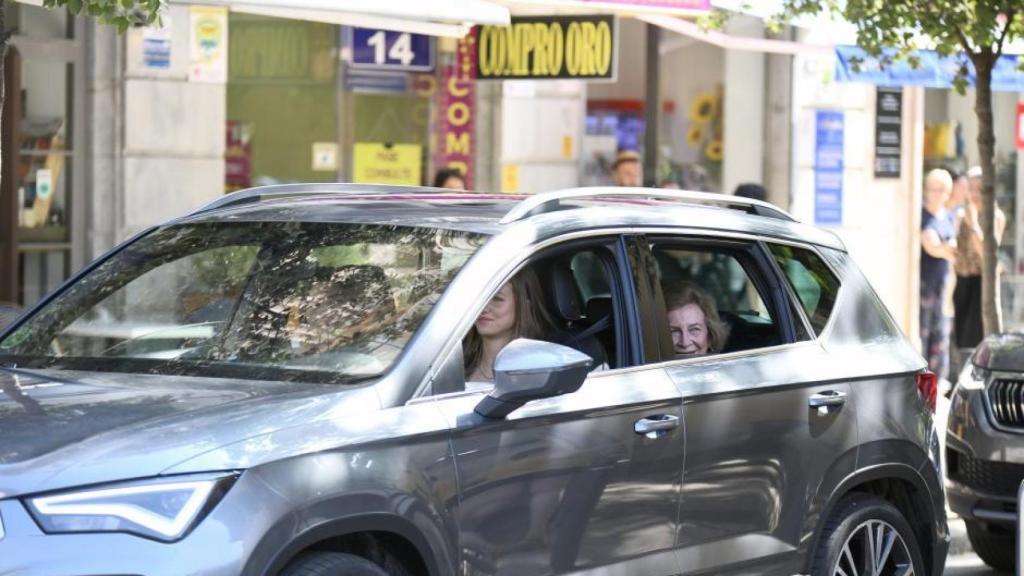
(762, 432)
(581, 483)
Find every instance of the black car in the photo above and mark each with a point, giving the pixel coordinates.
(985, 447)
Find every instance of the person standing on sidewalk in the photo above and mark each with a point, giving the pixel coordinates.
(954, 206)
(938, 249)
(627, 169)
(967, 324)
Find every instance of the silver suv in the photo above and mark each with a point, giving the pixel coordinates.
(285, 382)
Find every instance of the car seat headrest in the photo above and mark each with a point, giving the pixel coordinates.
(563, 297)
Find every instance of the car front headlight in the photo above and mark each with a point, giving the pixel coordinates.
(163, 509)
(971, 377)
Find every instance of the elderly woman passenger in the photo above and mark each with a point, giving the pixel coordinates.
(694, 323)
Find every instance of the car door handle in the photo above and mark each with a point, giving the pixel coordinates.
(655, 426)
(827, 399)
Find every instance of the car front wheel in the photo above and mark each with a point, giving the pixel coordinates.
(332, 564)
(867, 535)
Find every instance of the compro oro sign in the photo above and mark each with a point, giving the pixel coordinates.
(556, 47)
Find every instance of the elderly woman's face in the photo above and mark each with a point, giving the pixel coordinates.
(689, 329)
(935, 192)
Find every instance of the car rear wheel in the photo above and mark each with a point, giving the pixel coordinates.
(995, 548)
(332, 564)
(867, 536)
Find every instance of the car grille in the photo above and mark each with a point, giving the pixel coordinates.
(997, 478)
(1007, 400)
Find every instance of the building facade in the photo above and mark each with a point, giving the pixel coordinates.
(128, 131)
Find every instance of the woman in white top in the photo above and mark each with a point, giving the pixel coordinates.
(516, 311)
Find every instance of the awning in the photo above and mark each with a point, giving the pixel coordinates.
(729, 42)
(628, 7)
(932, 71)
(452, 18)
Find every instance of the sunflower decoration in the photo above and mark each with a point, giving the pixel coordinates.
(694, 136)
(714, 151)
(703, 109)
(706, 123)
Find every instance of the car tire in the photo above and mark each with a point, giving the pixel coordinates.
(857, 520)
(332, 564)
(994, 548)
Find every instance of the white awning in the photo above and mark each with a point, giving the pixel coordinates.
(452, 18)
(729, 42)
(623, 7)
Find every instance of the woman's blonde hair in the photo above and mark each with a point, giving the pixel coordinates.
(688, 293)
(531, 318)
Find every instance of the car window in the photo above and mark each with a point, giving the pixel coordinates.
(815, 285)
(590, 275)
(570, 301)
(711, 301)
(333, 302)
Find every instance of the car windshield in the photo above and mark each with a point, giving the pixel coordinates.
(261, 300)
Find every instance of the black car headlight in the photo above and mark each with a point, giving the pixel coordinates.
(164, 509)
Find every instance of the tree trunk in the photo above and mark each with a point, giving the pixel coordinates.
(991, 312)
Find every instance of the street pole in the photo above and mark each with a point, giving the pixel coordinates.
(651, 107)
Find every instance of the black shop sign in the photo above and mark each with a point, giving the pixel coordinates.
(888, 132)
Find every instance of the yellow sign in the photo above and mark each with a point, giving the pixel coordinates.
(510, 178)
(400, 164)
(547, 47)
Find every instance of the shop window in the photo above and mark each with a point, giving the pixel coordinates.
(44, 154)
(281, 101)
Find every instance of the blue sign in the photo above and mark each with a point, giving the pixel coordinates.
(828, 167)
(390, 50)
(370, 82)
(932, 71)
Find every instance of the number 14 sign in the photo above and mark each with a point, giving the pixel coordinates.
(389, 50)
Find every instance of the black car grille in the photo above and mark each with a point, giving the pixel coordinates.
(1007, 400)
(997, 478)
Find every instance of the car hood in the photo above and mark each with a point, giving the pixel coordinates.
(1001, 352)
(61, 428)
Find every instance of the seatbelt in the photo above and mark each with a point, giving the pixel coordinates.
(594, 328)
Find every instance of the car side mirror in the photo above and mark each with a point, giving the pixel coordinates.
(529, 370)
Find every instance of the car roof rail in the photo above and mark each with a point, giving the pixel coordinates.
(549, 201)
(276, 191)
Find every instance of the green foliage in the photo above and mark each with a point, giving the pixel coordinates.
(120, 13)
(895, 29)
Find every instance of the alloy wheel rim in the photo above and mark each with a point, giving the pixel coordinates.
(874, 548)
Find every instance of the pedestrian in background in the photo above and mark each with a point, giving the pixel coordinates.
(449, 178)
(938, 249)
(752, 191)
(627, 169)
(967, 324)
(959, 194)
(954, 205)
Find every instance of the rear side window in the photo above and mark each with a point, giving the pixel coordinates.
(733, 316)
(815, 285)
